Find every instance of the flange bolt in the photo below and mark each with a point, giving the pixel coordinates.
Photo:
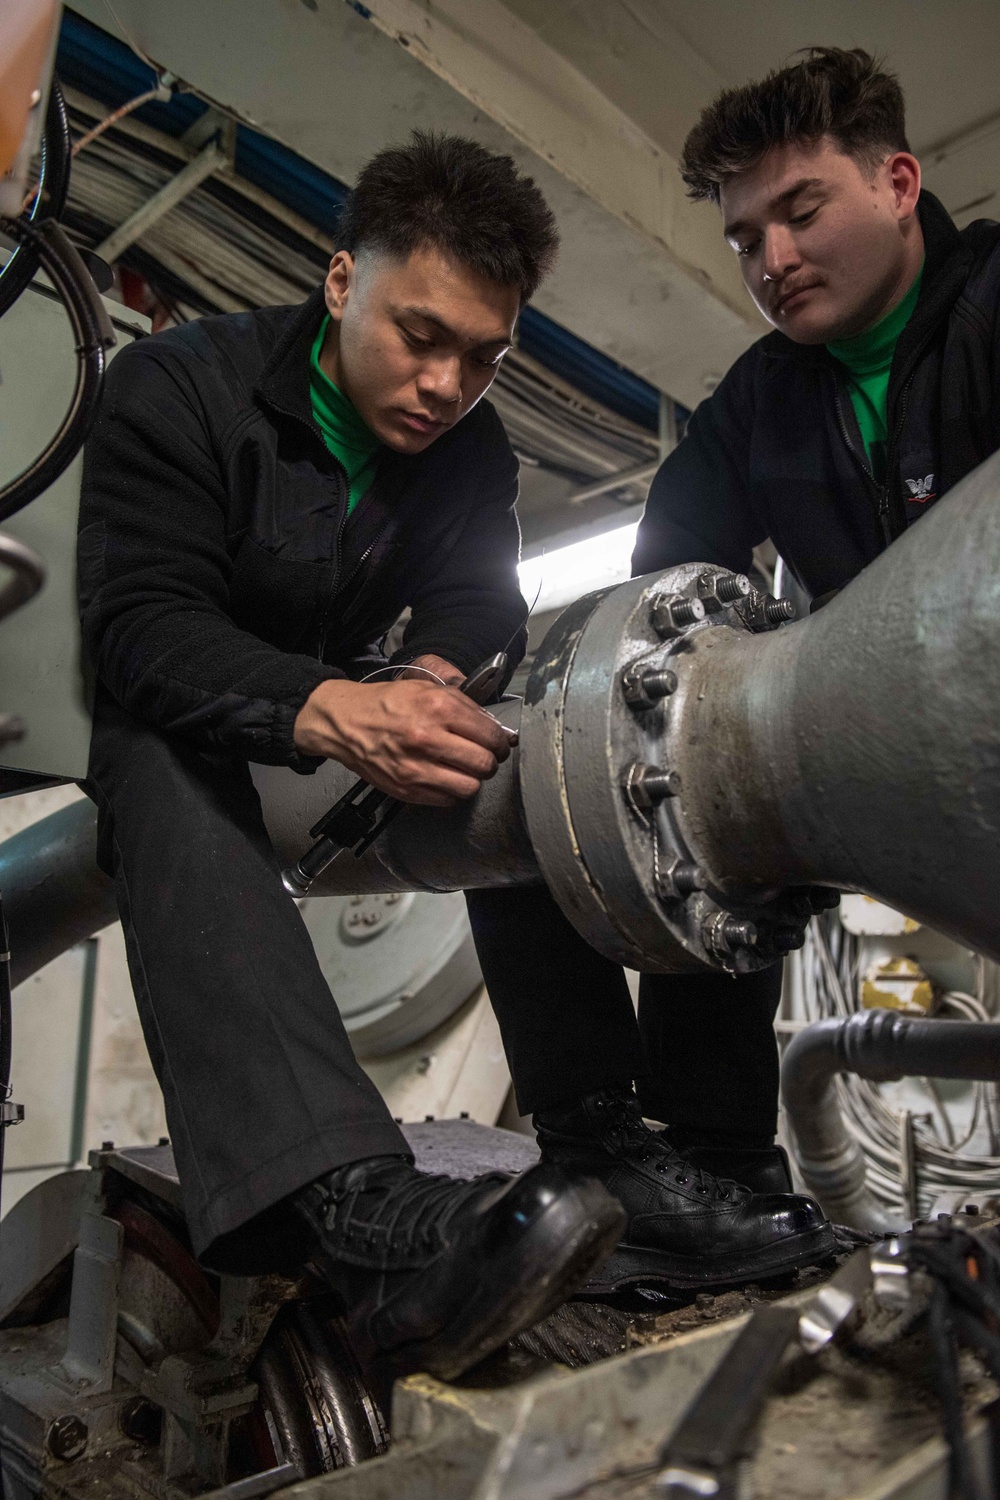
(66, 1438)
(732, 586)
(643, 687)
(658, 784)
(716, 590)
(725, 934)
(787, 938)
(645, 786)
(673, 613)
(688, 878)
(738, 932)
(777, 611)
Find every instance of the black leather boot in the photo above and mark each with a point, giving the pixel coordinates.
(685, 1227)
(762, 1169)
(435, 1274)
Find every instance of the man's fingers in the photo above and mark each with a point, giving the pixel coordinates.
(474, 723)
(434, 785)
(459, 754)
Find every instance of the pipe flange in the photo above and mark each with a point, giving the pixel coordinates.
(605, 811)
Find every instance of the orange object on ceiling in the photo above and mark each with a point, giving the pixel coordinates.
(25, 34)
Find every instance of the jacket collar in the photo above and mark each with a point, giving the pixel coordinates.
(947, 261)
(284, 380)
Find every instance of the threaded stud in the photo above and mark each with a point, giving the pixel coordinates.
(777, 611)
(645, 786)
(688, 878)
(674, 613)
(731, 587)
(787, 938)
(645, 686)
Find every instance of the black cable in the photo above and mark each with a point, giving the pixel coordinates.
(949, 1386)
(50, 200)
(93, 334)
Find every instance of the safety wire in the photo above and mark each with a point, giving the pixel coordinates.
(941, 1162)
(161, 92)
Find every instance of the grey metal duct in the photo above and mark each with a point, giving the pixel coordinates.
(689, 775)
(882, 1046)
(54, 895)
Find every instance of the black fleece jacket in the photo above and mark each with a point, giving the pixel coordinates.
(220, 578)
(776, 452)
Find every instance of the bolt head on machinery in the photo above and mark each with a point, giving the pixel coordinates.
(607, 813)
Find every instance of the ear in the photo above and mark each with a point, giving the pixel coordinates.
(904, 178)
(339, 281)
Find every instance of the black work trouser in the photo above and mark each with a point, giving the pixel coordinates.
(702, 1051)
(262, 1090)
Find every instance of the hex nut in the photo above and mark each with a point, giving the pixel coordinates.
(141, 1421)
(66, 1438)
(643, 686)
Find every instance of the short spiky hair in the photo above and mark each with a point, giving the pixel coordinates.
(445, 191)
(847, 95)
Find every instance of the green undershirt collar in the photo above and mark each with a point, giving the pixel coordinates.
(868, 360)
(344, 433)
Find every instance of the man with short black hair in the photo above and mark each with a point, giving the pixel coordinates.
(878, 391)
(264, 494)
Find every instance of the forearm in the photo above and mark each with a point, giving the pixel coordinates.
(194, 673)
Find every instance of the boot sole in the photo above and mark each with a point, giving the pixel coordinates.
(632, 1265)
(551, 1264)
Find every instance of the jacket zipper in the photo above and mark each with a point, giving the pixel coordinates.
(880, 492)
(891, 463)
(859, 458)
(338, 587)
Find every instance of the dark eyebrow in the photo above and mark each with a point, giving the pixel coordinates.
(730, 231)
(428, 316)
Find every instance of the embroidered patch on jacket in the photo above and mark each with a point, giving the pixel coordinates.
(921, 489)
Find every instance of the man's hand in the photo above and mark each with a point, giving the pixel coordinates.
(415, 740)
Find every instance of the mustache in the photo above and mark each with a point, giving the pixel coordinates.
(786, 292)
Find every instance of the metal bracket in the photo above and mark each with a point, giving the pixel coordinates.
(89, 1360)
(204, 1392)
(715, 1436)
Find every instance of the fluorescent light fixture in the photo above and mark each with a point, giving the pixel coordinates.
(561, 576)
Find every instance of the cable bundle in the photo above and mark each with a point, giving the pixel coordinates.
(912, 1160)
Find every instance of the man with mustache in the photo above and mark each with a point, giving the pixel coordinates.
(876, 392)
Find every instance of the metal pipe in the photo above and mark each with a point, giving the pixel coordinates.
(54, 895)
(482, 842)
(882, 1046)
(860, 748)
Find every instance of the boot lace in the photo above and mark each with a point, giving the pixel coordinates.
(393, 1214)
(623, 1121)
